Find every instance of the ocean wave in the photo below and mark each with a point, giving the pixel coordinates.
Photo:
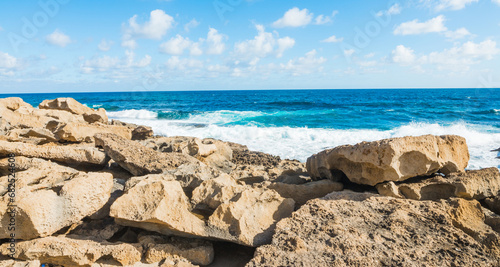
(133, 114)
(300, 143)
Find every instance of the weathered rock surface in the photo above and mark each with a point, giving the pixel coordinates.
(381, 231)
(214, 153)
(304, 192)
(140, 160)
(395, 159)
(66, 251)
(73, 106)
(286, 171)
(158, 203)
(474, 184)
(64, 154)
(49, 199)
(84, 132)
(493, 203)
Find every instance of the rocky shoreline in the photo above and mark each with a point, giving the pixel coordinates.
(79, 190)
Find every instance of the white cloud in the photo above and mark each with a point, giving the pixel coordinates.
(114, 64)
(393, 10)
(416, 27)
(349, 52)
(191, 25)
(496, 2)
(263, 45)
(453, 4)
(58, 38)
(457, 58)
(458, 34)
(7, 64)
(403, 55)
(175, 63)
(176, 45)
(333, 39)
(215, 42)
(294, 18)
(105, 45)
(157, 26)
(309, 63)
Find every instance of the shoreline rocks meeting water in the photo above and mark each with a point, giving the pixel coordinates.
(79, 190)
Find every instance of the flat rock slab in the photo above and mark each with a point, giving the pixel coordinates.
(353, 229)
(395, 159)
(474, 184)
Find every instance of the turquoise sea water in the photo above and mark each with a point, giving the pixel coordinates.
(298, 123)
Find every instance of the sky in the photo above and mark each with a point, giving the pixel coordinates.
(173, 45)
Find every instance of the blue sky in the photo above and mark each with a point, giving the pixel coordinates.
(146, 45)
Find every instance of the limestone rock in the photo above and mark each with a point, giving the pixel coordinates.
(83, 132)
(9, 262)
(194, 250)
(474, 184)
(285, 171)
(142, 133)
(493, 203)
(395, 159)
(14, 103)
(138, 159)
(251, 217)
(97, 230)
(65, 154)
(243, 156)
(157, 205)
(304, 192)
(212, 193)
(73, 106)
(380, 231)
(49, 199)
(66, 251)
(214, 153)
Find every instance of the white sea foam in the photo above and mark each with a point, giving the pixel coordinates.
(133, 114)
(300, 143)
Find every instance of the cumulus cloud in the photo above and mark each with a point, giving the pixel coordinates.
(333, 39)
(457, 34)
(191, 25)
(457, 58)
(309, 63)
(393, 10)
(349, 52)
(403, 55)
(105, 45)
(176, 63)
(296, 17)
(215, 40)
(58, 38)
(114, 64)
(264, 44)
(415, 27)
(157, 26)
(7, 64)
(178, 44)
(453, 4)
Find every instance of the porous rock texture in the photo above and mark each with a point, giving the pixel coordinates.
(395, 159)
(474, 184)
(360, 229)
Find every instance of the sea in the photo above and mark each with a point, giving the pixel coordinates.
(295, 124)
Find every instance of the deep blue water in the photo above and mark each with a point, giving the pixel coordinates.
(297, 123)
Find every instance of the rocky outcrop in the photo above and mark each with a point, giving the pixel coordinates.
(381, 231)
(395, 159)
(52, 198)
(158, 203)
(475, 184)
(73, 106)
(64, 154)
(84, 132)
(305, 192)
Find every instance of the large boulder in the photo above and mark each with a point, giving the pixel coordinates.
(158, 203)
(50, 198)
(140, 160)
(61, 250)
(353, 229)
(75, 107)
(84, 132)
(64, 154)
(302, 193)
(395, 159)
(474, 184)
